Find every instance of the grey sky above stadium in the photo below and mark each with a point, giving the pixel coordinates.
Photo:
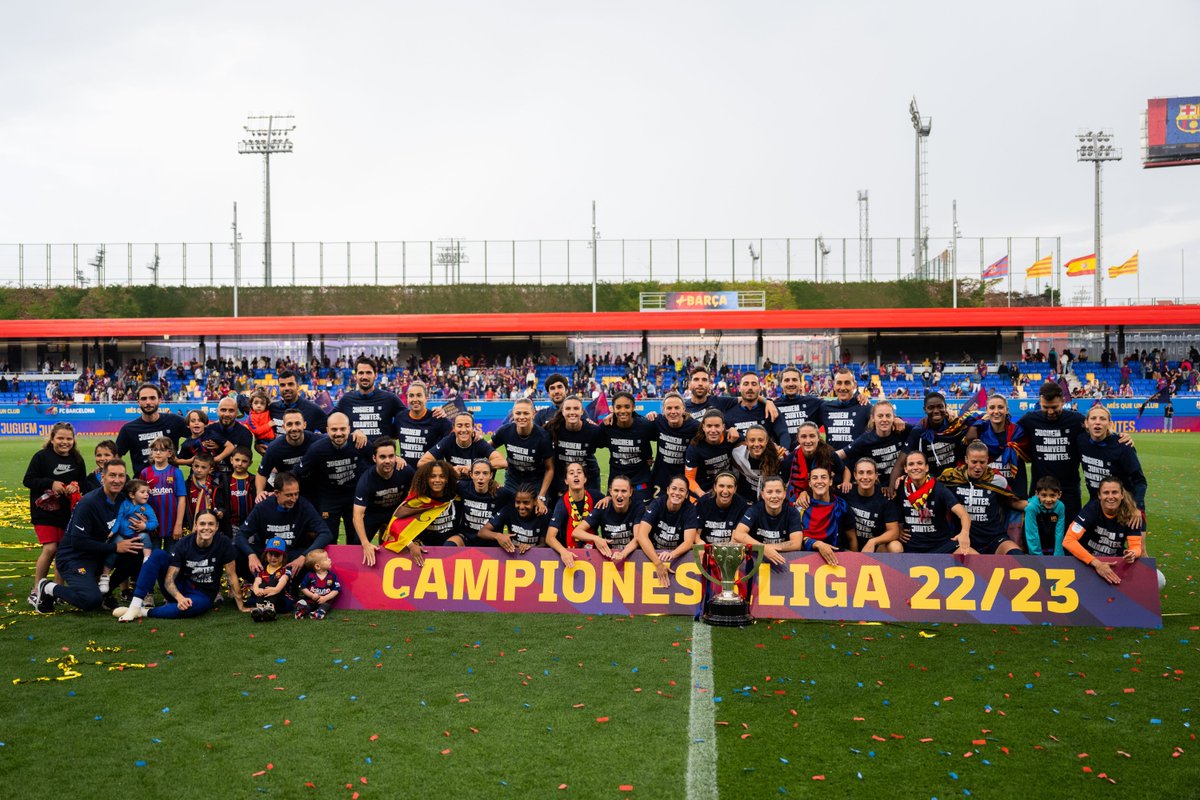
(120, 121)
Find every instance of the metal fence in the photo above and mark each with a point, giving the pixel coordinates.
(819, 259)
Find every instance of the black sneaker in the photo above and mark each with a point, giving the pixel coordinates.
(109, 602)
(268, 613)
(319, 612)
(45, 600)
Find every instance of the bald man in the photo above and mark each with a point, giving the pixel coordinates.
(224, 435)
(330, 470)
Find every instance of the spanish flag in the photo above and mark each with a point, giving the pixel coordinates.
(402, 530)
(1130, 267)
(1041, 268)
(1084, 265)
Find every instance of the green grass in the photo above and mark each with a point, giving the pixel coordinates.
(227, 698)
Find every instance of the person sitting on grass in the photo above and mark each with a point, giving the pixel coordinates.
(189, 576)
(320, 587)
(269, 590)
(1108, 527)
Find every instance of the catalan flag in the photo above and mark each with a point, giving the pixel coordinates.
(1084, 265)
(1041, 268)
(996, 270)
(1130, 267)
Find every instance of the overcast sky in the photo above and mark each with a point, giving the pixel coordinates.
(120, 123)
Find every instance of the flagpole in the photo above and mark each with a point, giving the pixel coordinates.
(1058, 267)
(1009, 251)
(1037, 282)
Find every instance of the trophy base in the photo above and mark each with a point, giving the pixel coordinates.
(727, 615)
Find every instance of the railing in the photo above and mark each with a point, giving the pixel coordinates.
(821, 259)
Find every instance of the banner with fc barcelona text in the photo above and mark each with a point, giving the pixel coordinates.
(1008, 590)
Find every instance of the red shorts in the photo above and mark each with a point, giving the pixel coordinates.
(48, 534)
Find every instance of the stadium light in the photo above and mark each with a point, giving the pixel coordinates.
(1097, 146)
(265, 141)
(922, 128)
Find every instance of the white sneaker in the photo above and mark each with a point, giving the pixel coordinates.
(133, 613)
(120, 611)
(149, 601)
(103, 584)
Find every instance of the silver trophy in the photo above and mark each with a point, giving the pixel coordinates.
(727, 608)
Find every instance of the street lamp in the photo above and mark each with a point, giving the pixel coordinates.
(265, 141)
(1097, 147)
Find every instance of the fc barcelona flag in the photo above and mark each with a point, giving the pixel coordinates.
(402, 530)
(996, 270)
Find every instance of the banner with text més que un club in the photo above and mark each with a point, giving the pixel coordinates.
(1008, 590)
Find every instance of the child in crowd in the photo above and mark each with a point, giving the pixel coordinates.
(168, 489)
(319, 588)
(136, 504)
(104, 452)
(259, 420)
(1045, 522)
(203, 492)
(197, 423)
(241, 489)
(268, 591)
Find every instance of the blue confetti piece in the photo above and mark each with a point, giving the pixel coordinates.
(1155, 721)
(245, 694)
(268, 726)
(139, 763)
(870, 754)
(71, 693)
(470, 670)
(718, 699)
(166, 710)
(302, 697)
(859, 774)
(954, 775)
(156, 741)
(97, 718)
(281, 661)
(353, 697)
(784, 760)
(368, 760)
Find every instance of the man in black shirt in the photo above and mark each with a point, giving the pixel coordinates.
(289, 397)
(136, 435)
(557, 389)
(285, 452)
(371, 411)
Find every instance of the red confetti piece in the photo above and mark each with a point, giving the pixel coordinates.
(967, 755)
(152, 666)
(878, 738)
(856, 719)
(926, 740)
(258, 774)
(1087, 770)
(978, 742)
(310, 785)
(1082, 755)
(270, 766)
(374, 736)
(625, 787)
(363, 780)
(1089, 691)
(577, 705)
(446, 752)
(562, 786)
(287, 722)
(1129, 691)
(601, 719)
(473, 730)
(818, 777)
(897, 736)
(746, 735)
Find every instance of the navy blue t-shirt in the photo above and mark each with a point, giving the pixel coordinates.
(744, 418)
(476, 508)
(379, 496)
(282, 456)
(844, 421)
(667, 527)
(314, 417)
(330, 473)
(447, 449)
(373, 413)
(672, 445)
(202, 565)
(416, 436)
(1104, 536)
(722, 404)
(770, 529)
(581, 446)
(615, 527)
(708, 460)
(883, 450)
(797, 409)
(869, 515)
(932, 529)
(630, 450)
(525, 530)
(526, 455)
(716, 524)
(135, 438)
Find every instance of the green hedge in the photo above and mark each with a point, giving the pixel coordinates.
(155, 301)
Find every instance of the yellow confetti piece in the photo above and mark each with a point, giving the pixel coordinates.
(925, 635)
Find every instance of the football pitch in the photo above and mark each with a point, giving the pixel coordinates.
(391, 705)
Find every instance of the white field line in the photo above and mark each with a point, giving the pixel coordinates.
(702, 743)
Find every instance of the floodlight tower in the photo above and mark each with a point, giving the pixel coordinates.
(265, 141)
(1097, 147)
(922, 127)
(864, 235)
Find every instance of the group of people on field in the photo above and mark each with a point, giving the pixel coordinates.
(796, 473)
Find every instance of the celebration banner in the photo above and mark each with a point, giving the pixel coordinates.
(994, 590)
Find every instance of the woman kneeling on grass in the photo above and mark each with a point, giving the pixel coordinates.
(190, 575)
(1108, 527)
